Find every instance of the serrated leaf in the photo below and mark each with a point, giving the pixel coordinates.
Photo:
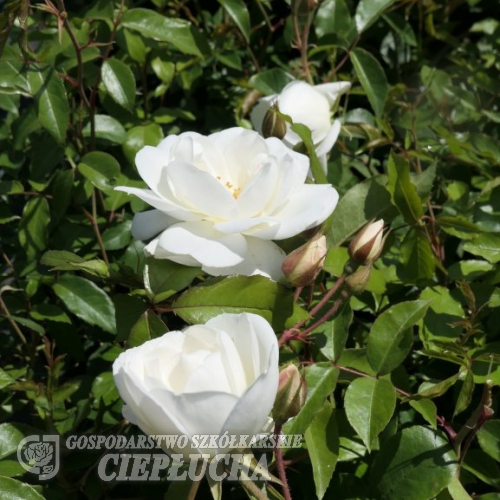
(33, 234)
(369, 405)
(101, 169)
(363, 202)
(489, 438)
(164, 278)
(236, 294)
(239, 14)
(372, 78)
(272, 81)
(16, 490)
(416, 461)
(433, 390)
(51, 101)
(403, 192)
(391, 338)
(368, 11)
(417, 257)
(87, 301)
(485, 245)
(321, 379)
(427, 409)
(119, 82)
(177, 32)
(465, 394)
(322, 440)
(149, 326)
(333, 334)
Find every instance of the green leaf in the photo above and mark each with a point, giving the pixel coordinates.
(332, 336)
(459, 227)
(164, 278)
(333, 17)
(444, 311)
(5, 379)
(129, 309)
(321, 379)
(101, 169)
(391, 335)
(49, 312)
(104, 388)
(15, 490)
(457, 491)
(427, 409)
(416, 461)
(482, 466)
(237, 294)
(60, 260)
(177, 32)
(33, 227)
(117, 237)
(417, 257)
(87, 301)
(322, 440)
(107, 128)
(424, 181)
(119, 82)
(10, 437)
(434, 390)
(369, 405)
(239, 14)
(271, 81)
(149, 326)
(51, 101)
(363, 202)
(489, 438)
(368, 11)
(403, 192)
(486, 246)
(372, 78)
(465, 395)
(140, 136)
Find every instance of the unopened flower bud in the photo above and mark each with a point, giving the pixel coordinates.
(357, 281)
(367, 246)
(305, 263)
(291, 396)
(273, 125)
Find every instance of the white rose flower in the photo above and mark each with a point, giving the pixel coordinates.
(310, 106)
(221, 199)
(208, 379)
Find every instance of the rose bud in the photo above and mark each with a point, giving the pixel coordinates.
(357, 281)
(368, 244)
(292, 392)
(305, 263)
(273, 125)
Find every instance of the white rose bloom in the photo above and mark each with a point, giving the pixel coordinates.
(208, 379)
(310, 106)
(221, 199)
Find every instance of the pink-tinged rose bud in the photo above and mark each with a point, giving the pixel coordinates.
(368, 244)
(273, 125)
(291, 396)
(305, 263)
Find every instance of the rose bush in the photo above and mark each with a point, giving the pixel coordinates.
(220, 200)
(208, 379)
(308, 105)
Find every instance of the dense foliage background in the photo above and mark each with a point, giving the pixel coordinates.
(406, 409)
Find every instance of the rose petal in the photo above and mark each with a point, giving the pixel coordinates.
(204, 244)
(262, 257)
(148, 224)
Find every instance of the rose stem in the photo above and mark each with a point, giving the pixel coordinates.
(280, 465)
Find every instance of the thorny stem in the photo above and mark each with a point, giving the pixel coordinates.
(280, 465)
(93, 220)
